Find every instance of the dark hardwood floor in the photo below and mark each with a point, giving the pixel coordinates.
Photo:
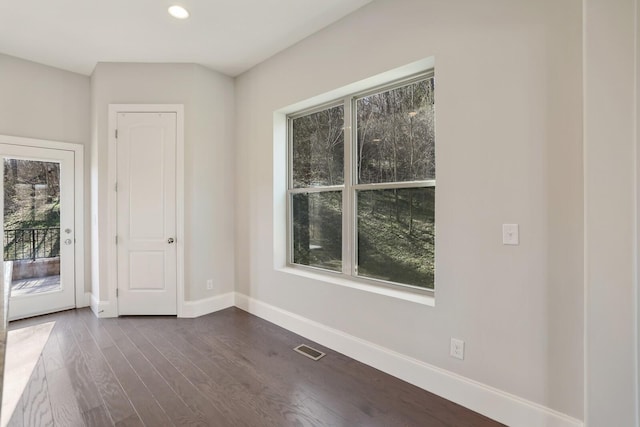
(225, 369)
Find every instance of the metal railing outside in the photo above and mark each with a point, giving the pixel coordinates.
(31, 243)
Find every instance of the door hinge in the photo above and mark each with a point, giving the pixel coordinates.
(117, 292)
(116, 133)
(115, 186)
(116, 240)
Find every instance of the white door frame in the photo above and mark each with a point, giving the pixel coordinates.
(82, 297)
(112, 228)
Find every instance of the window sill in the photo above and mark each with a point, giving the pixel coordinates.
(416, 296)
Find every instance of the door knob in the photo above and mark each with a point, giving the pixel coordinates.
(170, 240)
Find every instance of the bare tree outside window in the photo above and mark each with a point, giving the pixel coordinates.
(396, 135)
(318, 161)
(318, 149)
(396, 145)
(31, 209)
(388, 186)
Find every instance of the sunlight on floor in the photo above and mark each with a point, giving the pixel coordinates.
(35, 285)
(24, 347)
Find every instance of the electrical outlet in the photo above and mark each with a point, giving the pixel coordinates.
(510, 234)
(457, 348)
(209, 284)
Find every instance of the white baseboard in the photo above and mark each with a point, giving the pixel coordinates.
(189, 308)
(102, 309)
(491, 402)
(207, 305)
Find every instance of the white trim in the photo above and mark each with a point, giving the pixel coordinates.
(78, 157)
(86, 301)
(103, 309)
(207, 305)
(401, 292)
(112, 266)
(40, 143)
(491, 402)
(78, 200)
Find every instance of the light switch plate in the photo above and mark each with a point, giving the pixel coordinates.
(510, 234)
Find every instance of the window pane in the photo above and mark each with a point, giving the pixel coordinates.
(318, 148)
(396, 232)
(396, 134)
(32, 225)
(317, 229)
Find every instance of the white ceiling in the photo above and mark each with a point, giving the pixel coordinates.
(229, 36)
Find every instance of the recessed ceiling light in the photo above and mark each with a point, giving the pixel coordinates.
(178, 12)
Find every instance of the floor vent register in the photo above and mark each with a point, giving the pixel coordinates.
(310, 352)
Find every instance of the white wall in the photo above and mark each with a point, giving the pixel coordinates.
(508, 94)
(42, 102)
(610, 145)
(208, 99)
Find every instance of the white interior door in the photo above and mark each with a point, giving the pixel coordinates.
(146, 213)
(38, 229)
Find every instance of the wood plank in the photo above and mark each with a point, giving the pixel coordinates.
(133, 421)
(64, 406)
(97, 417)
(141, 398)
(147, 408)
(36, 403)
(216, 385)
(17, 418)
(53, 358)
(94, 329)
(238, 389)
(115, 400)
(183, 387)
(171, 402)
(84, 388)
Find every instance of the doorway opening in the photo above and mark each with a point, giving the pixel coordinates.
(145, 263)
(42, 225)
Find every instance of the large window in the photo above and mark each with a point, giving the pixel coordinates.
(361, 196)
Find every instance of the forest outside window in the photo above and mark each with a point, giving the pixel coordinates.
(361, 195)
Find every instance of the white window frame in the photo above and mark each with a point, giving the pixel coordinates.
(349, 188)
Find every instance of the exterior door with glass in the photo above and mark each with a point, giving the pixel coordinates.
(38, 229)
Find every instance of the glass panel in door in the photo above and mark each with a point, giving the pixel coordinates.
(32, 225)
